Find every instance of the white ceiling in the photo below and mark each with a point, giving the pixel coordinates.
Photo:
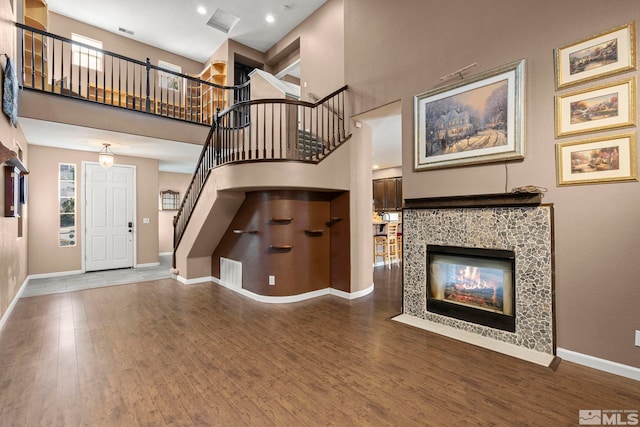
(176, 26)
(172, 156)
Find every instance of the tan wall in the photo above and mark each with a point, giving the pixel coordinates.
(64, 26)
(397, 52)
(176, 182)
(322, 41)
(13, 249)
(45, 256)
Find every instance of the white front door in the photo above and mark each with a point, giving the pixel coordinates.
(109, 217)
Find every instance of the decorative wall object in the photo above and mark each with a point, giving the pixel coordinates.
(594, 109)
(10, 94)
(169, 200)
(602, 55)
(67, 203)
(475, 120)
(598, 160)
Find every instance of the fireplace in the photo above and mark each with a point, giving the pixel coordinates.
(476, 285)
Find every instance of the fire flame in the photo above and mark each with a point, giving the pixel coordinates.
(470, 278)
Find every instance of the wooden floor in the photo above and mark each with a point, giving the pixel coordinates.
(160, 353)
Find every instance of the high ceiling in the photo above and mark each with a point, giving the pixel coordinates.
(176, 26)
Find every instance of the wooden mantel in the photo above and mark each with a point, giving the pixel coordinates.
(476, 201)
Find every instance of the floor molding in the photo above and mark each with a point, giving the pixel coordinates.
(54, 274)
(600, 364)
(7, 313)
(194, 281)
(509, 349)
(149, 264)
(290, 298)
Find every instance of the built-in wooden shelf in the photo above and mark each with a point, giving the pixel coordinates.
(245, 231)
(281, 247)
(317, 232)
(476, 201)
(333, 220)
(281, 219)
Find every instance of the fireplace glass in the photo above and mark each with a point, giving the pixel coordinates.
(472, 284)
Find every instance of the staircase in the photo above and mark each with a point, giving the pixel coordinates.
(277, 130)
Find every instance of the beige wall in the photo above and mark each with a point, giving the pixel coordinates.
(169, 181)
(13, 249)
(64, 26)
(395, 50)
(322, 41)
(45, 256)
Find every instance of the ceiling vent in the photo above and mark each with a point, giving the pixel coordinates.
(124, 30)
(222, 20)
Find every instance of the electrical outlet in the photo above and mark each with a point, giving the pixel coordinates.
(638, 338)
(272, 280)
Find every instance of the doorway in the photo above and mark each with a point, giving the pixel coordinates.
(109, 217)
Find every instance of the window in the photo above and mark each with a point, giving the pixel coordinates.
(168, 80)
(84, 56)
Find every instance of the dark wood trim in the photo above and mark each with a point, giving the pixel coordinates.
(475, 201)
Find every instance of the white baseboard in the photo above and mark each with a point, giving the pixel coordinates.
(6, 314)
(55, 274)
(600, 364)
(194, 281)
(293, 298)
(353, 295)
(165, 254)
(149, 264)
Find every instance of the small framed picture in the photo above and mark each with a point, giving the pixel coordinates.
(598, 160)
(604, 107)
(602, 55)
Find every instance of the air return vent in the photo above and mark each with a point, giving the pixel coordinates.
(231, 272)
(222, 20)
(124, 30)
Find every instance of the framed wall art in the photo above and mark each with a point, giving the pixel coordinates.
(602, 55)
(604, 107)
(598, 160)
(475, 120)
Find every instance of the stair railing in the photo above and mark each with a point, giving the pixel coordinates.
(266, 130)
(65, 67)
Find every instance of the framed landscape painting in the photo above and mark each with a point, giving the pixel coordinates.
(602, 55)
(604, 107)
(599, 160)
(475, 120)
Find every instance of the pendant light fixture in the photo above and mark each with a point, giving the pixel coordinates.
(105, 157)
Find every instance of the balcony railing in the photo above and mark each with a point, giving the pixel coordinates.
(61, 66)
(266, 130)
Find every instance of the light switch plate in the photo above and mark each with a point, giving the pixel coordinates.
(145, 220)
(638, 338)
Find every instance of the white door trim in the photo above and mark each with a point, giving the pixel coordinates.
(83, 210)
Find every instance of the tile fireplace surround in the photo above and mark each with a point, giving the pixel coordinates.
(515, 222)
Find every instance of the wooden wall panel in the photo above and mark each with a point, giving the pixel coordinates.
(303, 268)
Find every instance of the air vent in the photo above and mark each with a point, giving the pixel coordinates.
(222, 20)
(124, 30)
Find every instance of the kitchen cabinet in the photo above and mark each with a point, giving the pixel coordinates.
(387, 194)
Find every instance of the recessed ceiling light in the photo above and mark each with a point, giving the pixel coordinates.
(270, 18)
(202, 10)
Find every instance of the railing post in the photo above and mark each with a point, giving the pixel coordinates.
(147, 103)
(216, 137)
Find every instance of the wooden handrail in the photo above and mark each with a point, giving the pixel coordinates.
(273, 130)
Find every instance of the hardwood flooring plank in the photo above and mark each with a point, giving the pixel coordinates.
(159, 353)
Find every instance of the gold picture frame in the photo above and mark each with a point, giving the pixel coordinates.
(604, 107)
(602, 55)
(597, 160)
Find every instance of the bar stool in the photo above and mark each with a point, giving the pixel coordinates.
(392, 243)
(380, 249)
